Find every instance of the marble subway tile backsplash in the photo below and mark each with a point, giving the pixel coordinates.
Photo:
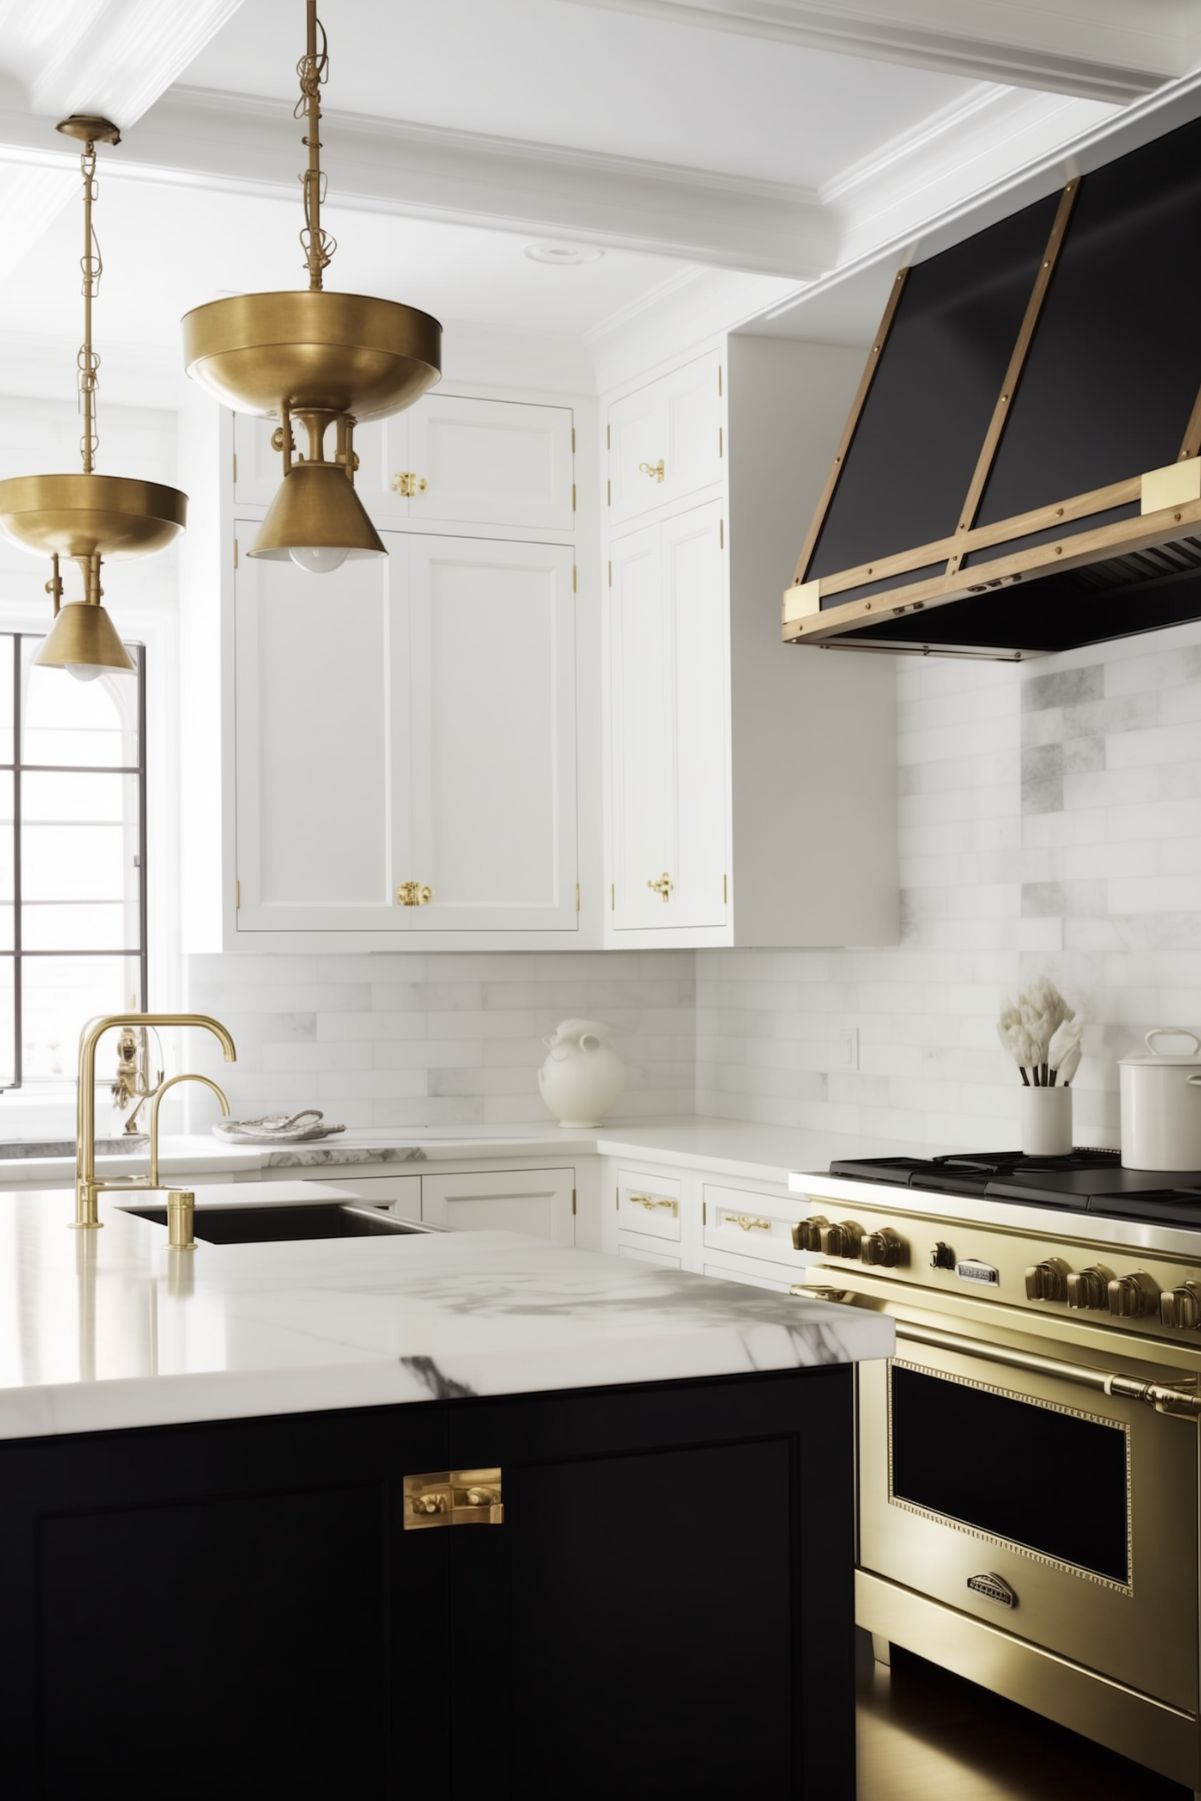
(428, 1039)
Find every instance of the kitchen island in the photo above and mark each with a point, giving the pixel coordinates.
(223, 1475)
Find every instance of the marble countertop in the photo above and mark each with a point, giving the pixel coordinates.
(727, 1146)
(107, 1330)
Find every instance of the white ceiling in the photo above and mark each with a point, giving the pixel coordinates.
(552, 73)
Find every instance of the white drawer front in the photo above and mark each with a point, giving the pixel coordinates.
(753, 1278)
(648, 1205)
(540, 1202)
(745, 1224)
(641, 1253)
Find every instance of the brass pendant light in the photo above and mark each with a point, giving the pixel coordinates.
(88, 517)
(318, 360)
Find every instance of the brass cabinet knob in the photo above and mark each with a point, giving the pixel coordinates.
(1181, 1307)
(409, 483)
(1088, 1289)
(1048, 1280)
(414, 894)
(841, 1240)
(806, 1234)
(663, 886)
(884, 1247)
(1130, 1297)
(656, 471)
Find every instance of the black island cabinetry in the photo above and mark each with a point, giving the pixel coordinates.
(237, 1608)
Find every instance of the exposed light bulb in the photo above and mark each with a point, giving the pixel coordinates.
(84, 672)
(318, 560)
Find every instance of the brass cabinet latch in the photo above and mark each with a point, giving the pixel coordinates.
(414, 894)
(656, 471)
(453, 1498)
(409, 483)
(663, 886)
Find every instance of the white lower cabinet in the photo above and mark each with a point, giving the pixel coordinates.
(400, 1194)
(690, 1219)
(540, 1202)
(641, 1253)
(406, 741)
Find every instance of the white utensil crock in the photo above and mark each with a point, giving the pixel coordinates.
(1161, 1105)
(1046, 1122)
(582, 1075)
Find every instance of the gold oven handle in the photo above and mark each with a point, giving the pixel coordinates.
(1181, 1403)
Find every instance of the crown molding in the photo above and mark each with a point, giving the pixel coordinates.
(1102, 50)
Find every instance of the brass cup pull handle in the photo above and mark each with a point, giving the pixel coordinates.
(656, 471)
(414, 894)
(409, 483)
(664, 887)
(750, 1222)
(652, 1203)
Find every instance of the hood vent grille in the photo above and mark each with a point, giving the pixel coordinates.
(1024, 444)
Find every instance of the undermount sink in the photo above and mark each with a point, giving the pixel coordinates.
(278, 1224)
(18, 1149)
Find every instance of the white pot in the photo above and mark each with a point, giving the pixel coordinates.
(1047, 1122)
(582, 1075)
(1161, 1105)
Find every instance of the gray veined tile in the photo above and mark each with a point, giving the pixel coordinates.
(1062, 687)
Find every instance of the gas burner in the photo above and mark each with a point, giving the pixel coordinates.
(1087, 1181)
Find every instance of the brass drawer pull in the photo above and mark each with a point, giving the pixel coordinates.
(656, 471)
(414, 894)
(749, 1222)
(453, 1498)
(663, 886)
(409, 483)
(653, 1202)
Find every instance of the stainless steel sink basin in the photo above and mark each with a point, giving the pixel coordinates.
(281, 1223)
(14, 1150)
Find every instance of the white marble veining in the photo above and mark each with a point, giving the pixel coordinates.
(110, 1329)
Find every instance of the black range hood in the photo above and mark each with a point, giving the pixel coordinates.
(1020, 470)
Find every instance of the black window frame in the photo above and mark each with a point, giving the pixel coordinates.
(19, 768)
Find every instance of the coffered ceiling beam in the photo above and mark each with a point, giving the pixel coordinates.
(198, 138)
(1111, 50)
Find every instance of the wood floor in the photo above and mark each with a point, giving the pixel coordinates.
(925, 1735)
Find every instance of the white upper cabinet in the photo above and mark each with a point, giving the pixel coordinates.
(449, 461)
(406, 741)
(669, 682)
(666, 441)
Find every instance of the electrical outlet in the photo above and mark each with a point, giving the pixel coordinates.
(844, 1049)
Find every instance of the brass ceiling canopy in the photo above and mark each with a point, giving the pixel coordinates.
(87, 517)
(328, 359)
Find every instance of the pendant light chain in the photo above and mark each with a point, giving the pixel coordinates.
(313, 70)
(87, 362)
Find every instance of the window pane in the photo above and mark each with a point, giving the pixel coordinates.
(80, 844)
(7, 1021)
(68, 722)
(60, 994)
(6, 826)
(6, 697)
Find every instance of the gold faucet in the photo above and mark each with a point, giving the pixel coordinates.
(87, 1185)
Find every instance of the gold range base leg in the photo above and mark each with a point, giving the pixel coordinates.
(881, 1649)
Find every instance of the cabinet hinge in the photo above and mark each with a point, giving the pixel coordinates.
(577, 897)
(721, 440)
(719, 378)
(608, 437)
(573, 440)
(608, 494)
(725, 890)
(237, 897)
(573, 1203)
(235, 460)
(704, 1213)
(573, 497)
(575, 579)
(721, 534)
(610, 571)
(617, 1199)
(612, 897)
(235, 553)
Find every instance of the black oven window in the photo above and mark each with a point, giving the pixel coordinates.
(1043, 1479)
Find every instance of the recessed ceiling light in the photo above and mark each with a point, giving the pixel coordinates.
(564, 256)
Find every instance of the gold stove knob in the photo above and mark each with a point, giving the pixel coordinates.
(1048, 1280)
(1181, 1307)
(841, 1240)
(1088, 1289)
(884, 1247)
(1130, 1297)
(806, 1234)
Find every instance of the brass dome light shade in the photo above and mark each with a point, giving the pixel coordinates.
(308, 354)
(86, 516)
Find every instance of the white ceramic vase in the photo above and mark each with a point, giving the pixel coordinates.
(582, 1075)
(1046, 1122)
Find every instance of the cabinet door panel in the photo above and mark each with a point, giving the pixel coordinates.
(535, 1201)
(322, 799)
(491, 462)
(641, 749)
(676, 420)
(694, 589)
(493, 718)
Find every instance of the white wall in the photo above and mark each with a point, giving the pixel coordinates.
(1050, 821)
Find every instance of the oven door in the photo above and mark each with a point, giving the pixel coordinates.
(1024, 1495)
